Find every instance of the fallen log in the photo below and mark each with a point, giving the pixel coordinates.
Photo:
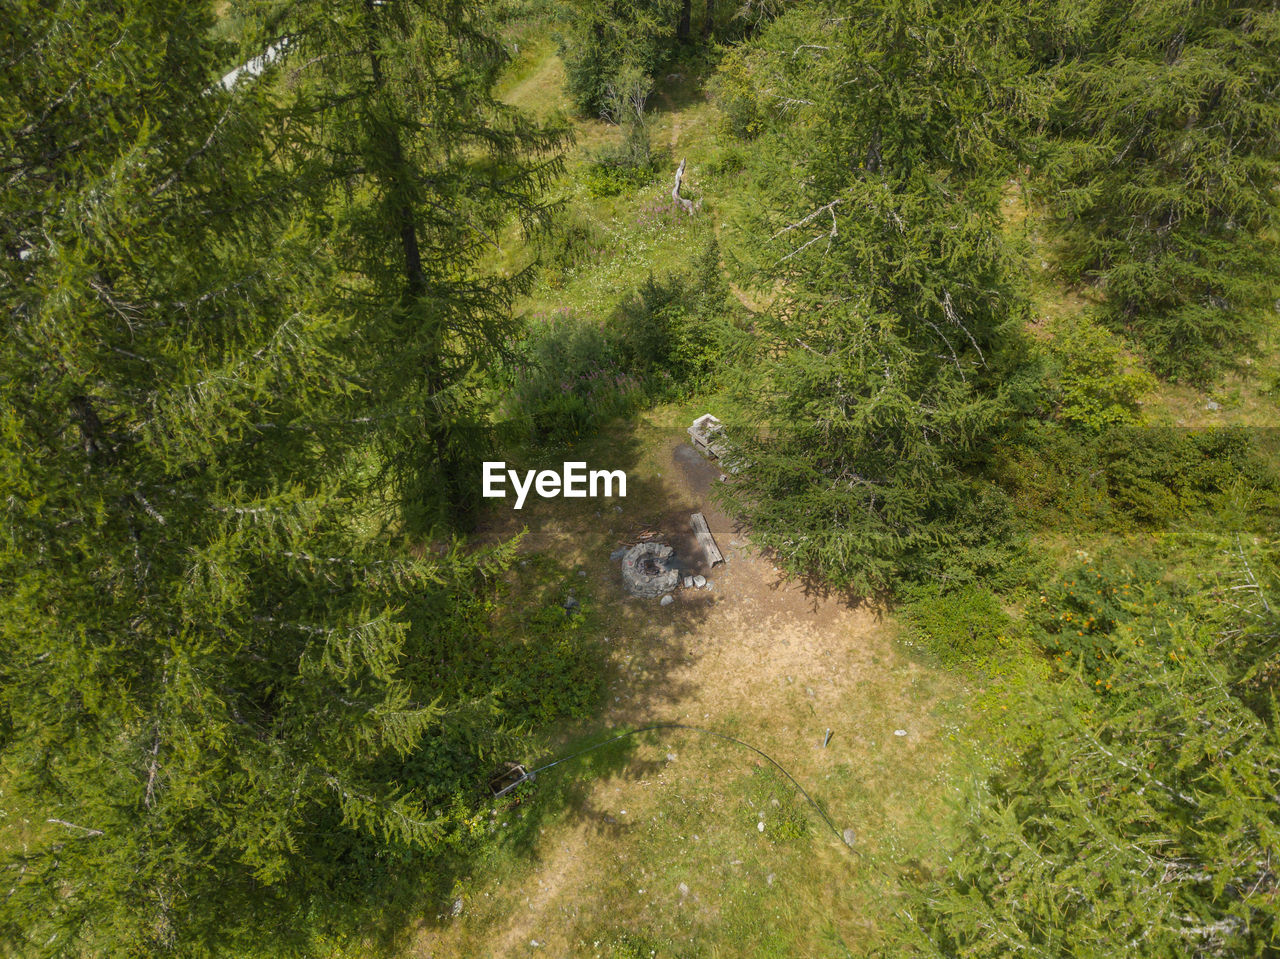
(687, 205)
(702, 533)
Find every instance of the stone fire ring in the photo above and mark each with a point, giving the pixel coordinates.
(649, 570)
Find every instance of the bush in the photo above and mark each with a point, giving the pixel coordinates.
(1158, 476)
(963, 624)
(574, 239)
(1093, 384)
(605, 178)
(671, 325)
(1078, 615)
(733, 89)
(569, 378)
(1137, 476)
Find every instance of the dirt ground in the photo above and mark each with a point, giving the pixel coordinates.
(755, 656)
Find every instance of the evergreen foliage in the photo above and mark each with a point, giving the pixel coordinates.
(1142, 819)
(412, 169)
(895, 327)
(602, 41)
(1162, 161)
(233, 707)
(253, 676)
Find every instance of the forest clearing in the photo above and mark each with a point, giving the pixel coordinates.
(640, 480)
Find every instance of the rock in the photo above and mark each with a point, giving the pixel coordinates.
(1211, 405)
(457, 908)
(688, 582)
(684, 890)
(710, 585)
(617, 554)
(849, 837)
(671, 757)
(899, 732)
(582, 572)
(769, 879)
(760, 825)
(667, 600)
(699, 581)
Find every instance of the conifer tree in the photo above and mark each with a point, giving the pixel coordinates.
(890, 337)
(600, 41)
(413, 170)
(230, 703)
(1137, 812)
(1161, 164)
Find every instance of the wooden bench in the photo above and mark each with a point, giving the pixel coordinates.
(708, 543)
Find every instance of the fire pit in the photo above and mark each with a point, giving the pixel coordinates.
(650, 570)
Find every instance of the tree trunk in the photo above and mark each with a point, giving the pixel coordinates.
(448, 462)
(686, 11)
(708, 19)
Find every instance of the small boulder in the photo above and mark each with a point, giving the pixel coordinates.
(667, 600)
(699, 581)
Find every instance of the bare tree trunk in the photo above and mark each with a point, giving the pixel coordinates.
(708, 18)
(686, 11)
(687, 205)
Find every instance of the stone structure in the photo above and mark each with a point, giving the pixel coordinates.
(650, 570)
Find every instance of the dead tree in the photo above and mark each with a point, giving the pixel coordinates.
(688, 205)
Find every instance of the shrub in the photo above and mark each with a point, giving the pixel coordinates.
(959, 625)
(1158, 476)
(1052, 471)
(569, 378)
(1093, 384)
(733, 89)
(671, 325)
(574, 239)
(1077, 616)
(605, 178)
(1138, 476)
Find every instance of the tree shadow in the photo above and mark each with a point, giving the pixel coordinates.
(654, 643)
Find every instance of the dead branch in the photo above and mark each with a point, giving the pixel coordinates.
(687, 205)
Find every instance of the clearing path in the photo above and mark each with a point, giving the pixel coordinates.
(692, 840)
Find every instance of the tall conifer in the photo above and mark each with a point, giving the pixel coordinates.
(895, 307)
(228, 699)
(1162, 163)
